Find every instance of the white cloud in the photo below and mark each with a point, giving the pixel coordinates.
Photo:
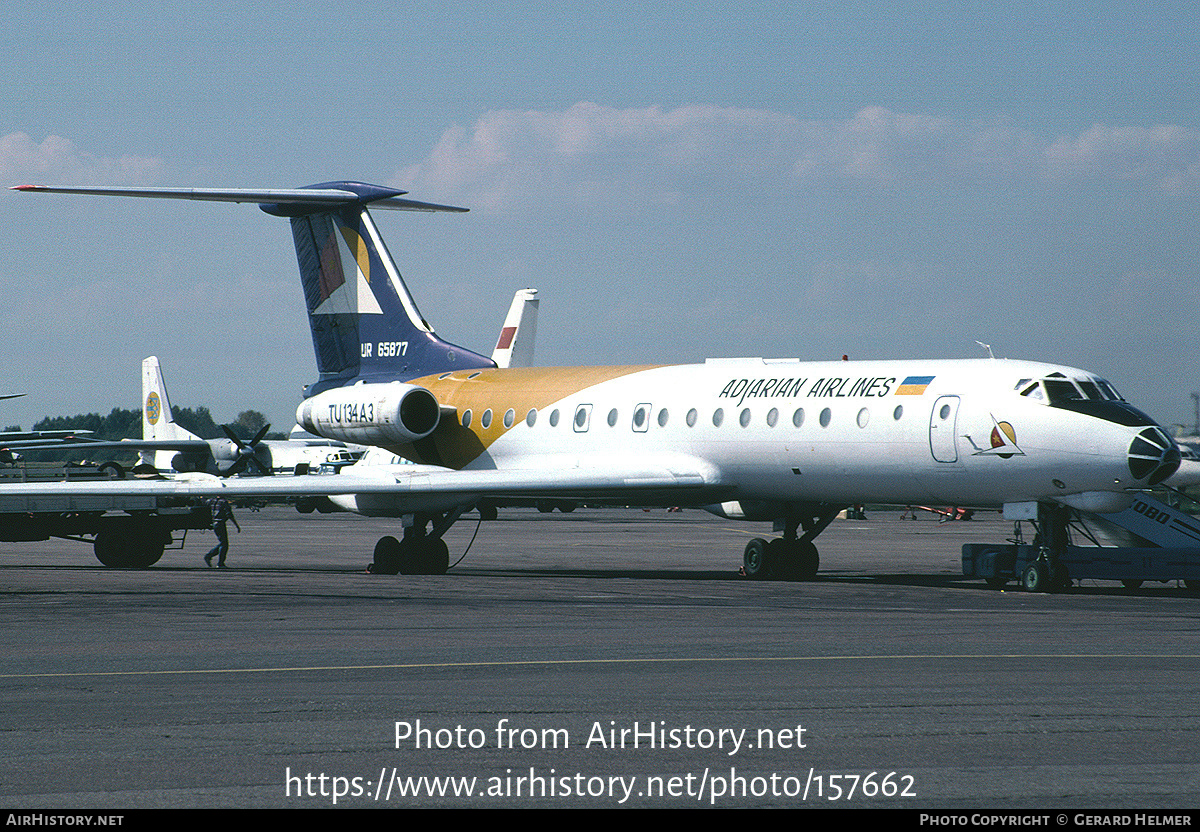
(56, 160)
(1165, 154)
(511, 159)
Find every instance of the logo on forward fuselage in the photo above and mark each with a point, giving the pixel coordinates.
(1002, 441)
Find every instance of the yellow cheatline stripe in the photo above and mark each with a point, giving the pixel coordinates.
(579, 662)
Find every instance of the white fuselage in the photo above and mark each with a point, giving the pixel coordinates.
(957, 432)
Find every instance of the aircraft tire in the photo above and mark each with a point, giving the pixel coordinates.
(755, 560)
(1036, 577)
(808, 561)
(433, 557)
(783, 560)
(1060, 578)
(1132, 583)
(389, 555)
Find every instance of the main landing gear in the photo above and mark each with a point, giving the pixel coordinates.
(789, 558)
(417, 552)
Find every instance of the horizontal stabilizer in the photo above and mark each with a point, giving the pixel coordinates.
(281, 201)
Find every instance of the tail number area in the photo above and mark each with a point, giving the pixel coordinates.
(384, 349)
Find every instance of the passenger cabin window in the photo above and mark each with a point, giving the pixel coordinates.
(583, 417)
(641, 418)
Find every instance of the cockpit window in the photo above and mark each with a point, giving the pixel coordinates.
(1110, 390)
(1061, 391)
(1091, 390)
(1033, 391)
(1088, 395)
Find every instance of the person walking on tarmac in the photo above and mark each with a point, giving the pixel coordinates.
(222, 511)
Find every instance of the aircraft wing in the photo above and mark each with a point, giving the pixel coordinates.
(426, 486)
(106, 444)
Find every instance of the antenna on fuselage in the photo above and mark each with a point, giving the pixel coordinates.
(987, 347)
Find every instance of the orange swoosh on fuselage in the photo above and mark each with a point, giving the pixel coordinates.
(520, 389)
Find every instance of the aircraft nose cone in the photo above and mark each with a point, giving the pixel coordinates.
(1153, 455)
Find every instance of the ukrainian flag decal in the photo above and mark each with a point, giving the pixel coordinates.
(913, 385)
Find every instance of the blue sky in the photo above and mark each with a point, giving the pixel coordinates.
(690, 180)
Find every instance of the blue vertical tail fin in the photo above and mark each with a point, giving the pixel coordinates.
(365, 323)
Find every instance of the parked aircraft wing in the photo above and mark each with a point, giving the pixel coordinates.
(426, 486)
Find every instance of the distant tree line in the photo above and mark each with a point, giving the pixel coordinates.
(127, 424)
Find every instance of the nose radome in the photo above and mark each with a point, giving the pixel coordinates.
(1153, 454)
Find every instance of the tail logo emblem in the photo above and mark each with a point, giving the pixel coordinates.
(153, 408)
(345, 268)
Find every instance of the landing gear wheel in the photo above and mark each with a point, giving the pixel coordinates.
(1131, 583)
(808, 561)
(784, 560)
(1060, 578)
(389, 555)
(432, 557)
(755, 562)
(1036, 577)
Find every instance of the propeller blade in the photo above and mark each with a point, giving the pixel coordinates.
(233, 437)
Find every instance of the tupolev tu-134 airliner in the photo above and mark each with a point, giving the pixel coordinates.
(782, 440)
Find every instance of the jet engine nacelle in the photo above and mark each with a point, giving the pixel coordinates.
(371, 414)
